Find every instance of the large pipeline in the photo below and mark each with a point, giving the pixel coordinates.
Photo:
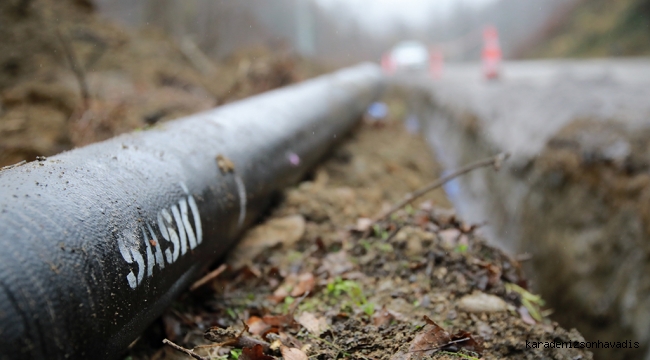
(97, 241)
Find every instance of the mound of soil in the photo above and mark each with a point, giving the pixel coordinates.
(309, 283)
(69, 78)
(592, 183)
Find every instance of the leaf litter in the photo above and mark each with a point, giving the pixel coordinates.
(421, 284)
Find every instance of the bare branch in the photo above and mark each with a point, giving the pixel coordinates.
(208, 277)
(495, 161)
(75, 66)
(184, 350)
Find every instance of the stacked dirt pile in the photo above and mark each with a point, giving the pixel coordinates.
(592, 185)
(69, 78)
(421, 285)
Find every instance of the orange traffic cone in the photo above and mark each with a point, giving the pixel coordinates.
(436, 63)
(491, 55)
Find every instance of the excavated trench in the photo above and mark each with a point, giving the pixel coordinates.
(198, 182)
(574, 199)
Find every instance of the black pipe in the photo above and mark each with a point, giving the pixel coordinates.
(97, 241)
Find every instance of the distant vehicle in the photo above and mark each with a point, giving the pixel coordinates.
(407, 56)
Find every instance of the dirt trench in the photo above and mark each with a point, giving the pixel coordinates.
(592, 185)
(574, 197)
(308, 277)
(69, 78)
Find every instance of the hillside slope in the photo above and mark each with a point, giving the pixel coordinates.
(597, 28)
(69, 77)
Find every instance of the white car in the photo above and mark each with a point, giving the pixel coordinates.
(408, 56)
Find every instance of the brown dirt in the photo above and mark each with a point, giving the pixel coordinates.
(135, 79)
(592, 263)
(366, 297)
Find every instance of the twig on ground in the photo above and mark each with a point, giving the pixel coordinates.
(208, 277)
(13, 165)
(196, 57)
(440, 347)
(75, 66)
(495, 161)
(184, 350)
(294, 305)
(392, 235)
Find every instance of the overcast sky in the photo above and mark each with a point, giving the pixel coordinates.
(374, 14)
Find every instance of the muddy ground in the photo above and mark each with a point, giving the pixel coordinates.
(422, 285)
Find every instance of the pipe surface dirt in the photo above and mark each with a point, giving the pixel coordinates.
(97, 241)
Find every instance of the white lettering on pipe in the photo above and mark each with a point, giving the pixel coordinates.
(175, 228)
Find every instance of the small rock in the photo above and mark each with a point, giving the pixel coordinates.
(479, 302)
(363, 224)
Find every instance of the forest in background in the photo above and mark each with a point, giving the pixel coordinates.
(335, 36)
(595, 28)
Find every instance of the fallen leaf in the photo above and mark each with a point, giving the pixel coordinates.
(292, 353)
(433, 338)
(286, 231)
(256, 325)
(254, 353)
(306, 282)
(279, 320)
(285, 288)
(465, 340)
(426, 342)
(314, 324)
